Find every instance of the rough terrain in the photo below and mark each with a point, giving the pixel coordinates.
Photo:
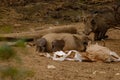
(66, 70)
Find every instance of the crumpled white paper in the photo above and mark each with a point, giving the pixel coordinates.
(65, 56)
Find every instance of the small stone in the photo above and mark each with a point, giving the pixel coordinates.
(51, 67)
(116, 69)
(102, 72)
(17, 25)
(117, 74)
(94, 72)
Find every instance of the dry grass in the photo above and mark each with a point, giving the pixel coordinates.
(6, 52)
(15, 73)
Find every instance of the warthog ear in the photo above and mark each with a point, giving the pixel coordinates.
(92, 43)
(103, 42)
(89, 43)
(91, 36)
(96, 43)
(84, 19)
(94, 15)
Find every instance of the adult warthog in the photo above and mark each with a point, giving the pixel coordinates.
(100, 21)
(71, 41)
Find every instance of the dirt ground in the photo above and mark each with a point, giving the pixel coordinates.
(66, 70)
(70, 70)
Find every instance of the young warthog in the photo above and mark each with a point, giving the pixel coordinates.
(95, 52)
(41, 45)
(58, 45)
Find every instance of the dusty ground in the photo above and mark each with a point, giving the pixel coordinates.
(68, 70)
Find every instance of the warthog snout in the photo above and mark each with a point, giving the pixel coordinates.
(87, 32)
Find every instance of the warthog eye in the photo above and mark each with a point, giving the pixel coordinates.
(85, 43)
(93, 22)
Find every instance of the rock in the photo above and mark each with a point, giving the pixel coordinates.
(117, 74)
(102, 72)
(17, 25)
(51, 67)
(94, 72)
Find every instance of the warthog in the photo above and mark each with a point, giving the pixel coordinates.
(41, 45)
(58, 45)
(72, 41)
(99, 22)
(95, 52)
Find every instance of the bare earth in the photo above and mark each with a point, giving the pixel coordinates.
(66, 70)
(69, 70)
